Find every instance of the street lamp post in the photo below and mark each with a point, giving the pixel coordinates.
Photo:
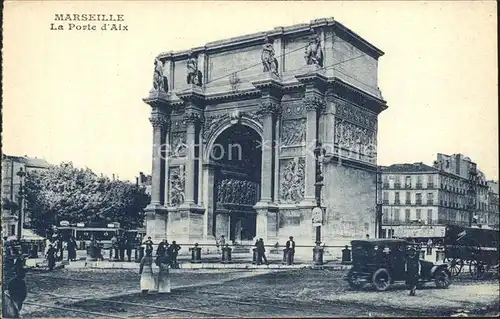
(20, 220)
(317, 212)
(378, 202)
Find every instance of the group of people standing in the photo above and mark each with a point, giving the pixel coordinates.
(261, 251)
(166, 257)
(119, 245)
(54, 250)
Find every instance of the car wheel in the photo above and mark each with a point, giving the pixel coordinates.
(381, 279)
(354, 280)
(442, 279)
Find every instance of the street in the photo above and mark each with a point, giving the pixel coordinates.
(244, 293)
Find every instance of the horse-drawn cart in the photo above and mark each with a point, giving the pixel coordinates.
(476, 248)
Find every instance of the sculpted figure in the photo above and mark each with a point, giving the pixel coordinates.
(269, 61)
(314, 53)
(160, 82)
(193, 74)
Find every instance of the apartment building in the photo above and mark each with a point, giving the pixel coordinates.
(418, 200)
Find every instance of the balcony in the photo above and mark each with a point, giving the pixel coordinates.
(408, 185)
(418, 202)
(385, 201)
(397, 202)
(419, 186)
(430, 185)
(430, 202)
(385, 185)
(408, 202)
(397, 185)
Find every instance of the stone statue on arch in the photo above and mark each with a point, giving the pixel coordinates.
(269, 61)
(194, 76)
(160, 81)
(314, 52)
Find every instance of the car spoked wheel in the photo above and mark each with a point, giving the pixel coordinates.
(381, 279)
(477, 269)
(354, 280)
(455, 266)
(442, 279)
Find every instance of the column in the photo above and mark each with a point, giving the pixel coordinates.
(166, 155)
(159, 121)
(311, 137)
(267, 152)
(191, 122)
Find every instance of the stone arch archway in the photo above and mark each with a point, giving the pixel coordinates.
(234, 157)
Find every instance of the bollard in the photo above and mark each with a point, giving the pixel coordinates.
(346, 256)
(439, 255)
(195, 254)
(254, 256)
(318, 255)
(226, 254)
(285, 256)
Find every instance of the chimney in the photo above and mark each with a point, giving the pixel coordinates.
(137, 181)
(113, 177)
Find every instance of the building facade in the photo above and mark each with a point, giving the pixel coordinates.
(144, 181)
(418, 200)
(493, 211)
(240, 118)
(11, 182)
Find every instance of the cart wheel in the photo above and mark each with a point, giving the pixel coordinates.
(442, 279)
(381, 279)
(477, 269)
(354, 280)
(455, 266)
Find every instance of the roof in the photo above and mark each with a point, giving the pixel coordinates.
(408, 168)
(282, 31)
(28, 161)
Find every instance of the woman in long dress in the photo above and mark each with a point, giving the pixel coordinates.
(146, 271)
(163, 283)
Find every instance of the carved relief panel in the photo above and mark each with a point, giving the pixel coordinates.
(292, 180)
(235, 191)
(356, 133)
(178, 144)
(176, 190)
(212, 122)
(293, 132)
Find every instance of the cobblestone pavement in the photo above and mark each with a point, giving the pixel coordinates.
(223, 293)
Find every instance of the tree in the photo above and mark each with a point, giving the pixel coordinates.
(64, 192)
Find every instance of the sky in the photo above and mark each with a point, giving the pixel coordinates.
(77, 95)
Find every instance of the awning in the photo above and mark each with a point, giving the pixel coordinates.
(28, 234)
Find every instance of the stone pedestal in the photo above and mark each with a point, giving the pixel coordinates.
(185, 224)
(156, 222)
(267, 226)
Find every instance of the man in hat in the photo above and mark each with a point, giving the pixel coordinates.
(290, 250)
(412, 268)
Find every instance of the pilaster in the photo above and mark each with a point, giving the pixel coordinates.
(315, 85)
(271, 94)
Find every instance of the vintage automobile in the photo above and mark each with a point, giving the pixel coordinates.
(382, 262)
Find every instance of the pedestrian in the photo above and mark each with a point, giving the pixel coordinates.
(163, 282)
(173, 252)
(17, 287)
(121, 247)
(290, 250)
(128, 246)
(148, 243)
(412, 269)
(146, 272)
(429, 247)
(261, 252)
(51, 257)
(60, 248)
(221, 242)
(162, 249)
(72, 249)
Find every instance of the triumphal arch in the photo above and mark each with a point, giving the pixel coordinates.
(235, 125)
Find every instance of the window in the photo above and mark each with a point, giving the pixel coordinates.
(430, 181)
(408, 182)
(408, 198)
(391, 233)
(383, 234)
(430, 198)
(385, 196)
(419, 214)
(385, 216)
(419, 198)
(396, 215)
(397, 181)
(386, 181)
(429, 216)
(12, 230)
(396, 198)
(407, 215)
(419, 181)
